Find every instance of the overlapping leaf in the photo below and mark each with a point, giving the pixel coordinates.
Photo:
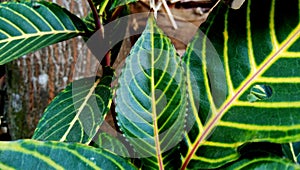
(77, 112)
(263, 163)
(26, 27)
(151, 99)
(111, 143)
(30, 154)
(292, 151)
(248, 86)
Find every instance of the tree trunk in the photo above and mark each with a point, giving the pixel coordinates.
(35, 79)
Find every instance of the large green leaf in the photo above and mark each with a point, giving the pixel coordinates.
(263, 163)
(248, 87)
(151, 99)
(76, 114)
(25, 27)
(30, 154)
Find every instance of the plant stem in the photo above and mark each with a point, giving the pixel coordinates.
(95, 14)
(116, 13)
(114, 115)
(107, 58)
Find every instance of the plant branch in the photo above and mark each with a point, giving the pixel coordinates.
(170, 15)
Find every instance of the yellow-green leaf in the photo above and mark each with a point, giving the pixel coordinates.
(76, 114)
(151, 99)
(111, 143)
(248, 85)
(26, 27)
(263, 163)
(31, 154)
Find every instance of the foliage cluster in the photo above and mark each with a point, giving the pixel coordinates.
(230, 102)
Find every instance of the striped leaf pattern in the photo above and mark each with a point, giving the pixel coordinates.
(248, 86)
(151, 99)
(31, 154)
(26, 27)
(292, 151)
(76, 114)
(111, 143)
(263, 163)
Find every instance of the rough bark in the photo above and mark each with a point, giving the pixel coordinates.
(35, 79)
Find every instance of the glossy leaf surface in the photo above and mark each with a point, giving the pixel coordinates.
(111, 143)
(151, 99)
(251, 51)
(26, 27)
(31, 154)
(263, 163)
(292, 151)
(76, 114)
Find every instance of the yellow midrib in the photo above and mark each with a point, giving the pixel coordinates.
(17, 148)
(153, 101)
(92, 89)
(39, 34)
(274, 56)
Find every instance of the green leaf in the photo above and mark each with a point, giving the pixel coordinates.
(151, 99)
(111, 143)
(251, 51)
(263, 163)
(30, 154)
(292, 151)
(76, 114)
(26, 27)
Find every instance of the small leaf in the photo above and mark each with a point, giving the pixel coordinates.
(26, 27)
(151, 99)
(77, 112)
(31, 154)
(259, 92)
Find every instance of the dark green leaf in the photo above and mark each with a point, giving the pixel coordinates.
(30, 154)
(264, 164)
(292, 151)
(26, 27)
(151, 99)
(112, 144)
(238, 52)
(77, 112)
